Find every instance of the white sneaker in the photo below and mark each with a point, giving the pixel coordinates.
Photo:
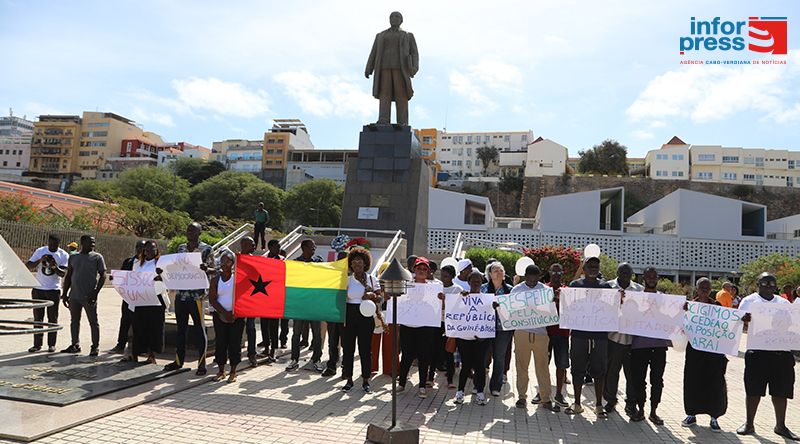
(495, 393)
(481, 399)
(293, 365)
(459, 397)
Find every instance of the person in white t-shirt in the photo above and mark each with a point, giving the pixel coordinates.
(50, 263)
(764, 368)
(463, 270)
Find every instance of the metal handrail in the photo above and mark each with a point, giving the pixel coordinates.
(458, 246)
(503, 245)
(390, 251)
(226, 241)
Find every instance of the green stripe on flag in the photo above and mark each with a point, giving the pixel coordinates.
(315, 304)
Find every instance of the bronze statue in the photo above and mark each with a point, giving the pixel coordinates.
(394, 60)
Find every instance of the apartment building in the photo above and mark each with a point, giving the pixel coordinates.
(284, 136)
(54, 147)
(310, 164)
(457, 152)
(718, 164)
(15, 145)
(102, 134)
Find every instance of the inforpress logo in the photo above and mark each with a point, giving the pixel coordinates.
(757, 34)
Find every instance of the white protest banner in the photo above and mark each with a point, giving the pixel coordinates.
(182, 271)
(713, 328)
(773, 327)
(470, 316)
(527, 309)
(653, 315)
(419, 307)
(137, 288)
(589, 309)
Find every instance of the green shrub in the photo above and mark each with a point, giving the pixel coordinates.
(479, 257)
(568, 257)
(670, 287)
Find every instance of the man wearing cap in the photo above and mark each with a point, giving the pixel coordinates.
(50, 263)
(763, 368)
(72, 248)
(588, 347)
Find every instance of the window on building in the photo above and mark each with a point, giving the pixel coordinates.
(759, 161)
(791, 164)
(469, 151)
(705, 175)
(506, 138)
(487, 139)
(796, 233)
(728, 176)
(677, 157)
(662, 157)
(524, 137)
(469, 164)
(677, 174)
(669, 226)
(749, 161)
(5, 163)
(17, 164)
(706, 157)
(749, 177)
(469, 139)
(730, 159)
(427, 140)
(789, 181)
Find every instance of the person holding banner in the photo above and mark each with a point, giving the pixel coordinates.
(415, 342)
(248, 246)
(307, 248)
(589, 349)
(473, 353)
(274, 252)
(558, 337)
(126, 315)
(704, 389)
(148, 321)
(361, 286)
(764, 368)
(648, 352)
(447, 274)
(619, 350)
(532, 341)
(227, 328)
(502, 339)
(189, 304)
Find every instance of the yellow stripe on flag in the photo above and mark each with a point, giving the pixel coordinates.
(331, 275)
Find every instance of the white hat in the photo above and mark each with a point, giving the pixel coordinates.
(462, 264)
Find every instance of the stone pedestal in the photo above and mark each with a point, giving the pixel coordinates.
(400, 434)
(387, 186)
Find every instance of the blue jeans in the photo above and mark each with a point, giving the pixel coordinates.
(499, 348)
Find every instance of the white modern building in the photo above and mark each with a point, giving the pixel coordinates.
(15, 144)
(245, 156)
(457, 152)
(458, 211)
(677, 160)
(174, 151)
(684, 235)
(697, 215)
(318, 163)
(784, 228)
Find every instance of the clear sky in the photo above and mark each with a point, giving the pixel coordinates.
(574, 72)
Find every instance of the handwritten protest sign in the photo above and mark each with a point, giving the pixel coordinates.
(182, 271)
(527, 309)
(469, 317)
(589, 309)
(774, 327)
(712, 328)
(652, 315)
(137, 288)
(419, 307)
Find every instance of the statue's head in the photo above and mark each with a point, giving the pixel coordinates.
(395, 18)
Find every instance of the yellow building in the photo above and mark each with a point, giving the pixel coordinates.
(54, 148)
(101, 139)
(284, 136)
(427, 140)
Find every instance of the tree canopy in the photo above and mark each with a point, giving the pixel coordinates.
(488, 155)
(236, 195)
(609, 157)
(95, 189)
(316, 203)
(157, 186)
(196, 170)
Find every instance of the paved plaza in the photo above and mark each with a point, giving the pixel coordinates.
(268, 404)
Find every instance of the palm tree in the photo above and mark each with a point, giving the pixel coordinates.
(487, 156)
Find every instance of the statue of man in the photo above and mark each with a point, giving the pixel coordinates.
(394, 60)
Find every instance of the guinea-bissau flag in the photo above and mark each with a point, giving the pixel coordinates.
(273, 288)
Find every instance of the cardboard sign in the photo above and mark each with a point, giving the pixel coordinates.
(590, 309)
(712, 328)
(137, 288)
(182, 271)
(468, 317)
(419, 307)
(527, 309)
(652, 315)
(774, 327)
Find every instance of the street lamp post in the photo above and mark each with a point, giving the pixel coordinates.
(394, 282)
